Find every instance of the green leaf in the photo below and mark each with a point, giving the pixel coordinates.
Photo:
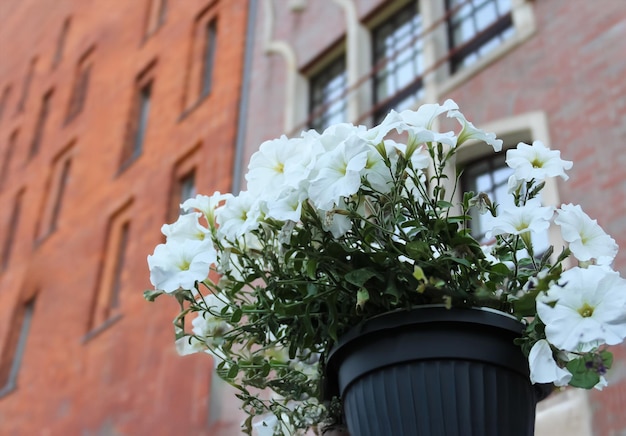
(311, 268)
(582, 376)
(233, 371)
(236, 316)
(418, 273)
(526, 305)
(359, 276)
(607, 359)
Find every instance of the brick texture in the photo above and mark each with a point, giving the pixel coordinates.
(127, 379)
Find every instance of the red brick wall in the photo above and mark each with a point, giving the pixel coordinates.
(127, 379)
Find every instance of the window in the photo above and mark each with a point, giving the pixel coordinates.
(81, 84)
(55, 191)
(157, 9)
(9, 236)
(26, 85)
(328, 101)
(490, 175)
(58, 54)
(111, 275)
(16, 345)
(202, 58)
(186, 187)
(209, 54)
(137, 127)
(4, 99)
(475, 27)
(398, 61)
(8, 157)
(44, 112)
(183, 185)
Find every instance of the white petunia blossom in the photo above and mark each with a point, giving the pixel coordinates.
(179, 264)
(186, 228)
(206, 204)
(426, 114)
(339, 173)
(543, 367)
(336, 222)
(268, 167)
(536, 162)
(586, 238)
(240, 215)
(266, 425)
(376, 172)
(532, 217)
(586, 308)
(288, 207)
(471, 132)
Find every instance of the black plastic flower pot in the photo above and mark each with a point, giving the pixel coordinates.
(434, 371)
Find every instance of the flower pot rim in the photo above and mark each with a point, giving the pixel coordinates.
(402, 317)
(437, 325)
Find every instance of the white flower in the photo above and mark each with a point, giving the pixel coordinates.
(471, 132)
(240, 215)
(419, 159)
(543, 367)
(536, 162)
(376, 172)
(209, 327)
(189, 345)
(601, 384)
(179, 264)
(532, 217)
(336, 222)
(339, 173)
(268, 167)
(266, 425)
(206, 204)
(288, 207)
(585, 309)
(586, 238)
(186, 228)
(425, 115)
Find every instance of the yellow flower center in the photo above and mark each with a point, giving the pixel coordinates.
(586, 310)
(280, 167)
(537, 163)
(184, 265)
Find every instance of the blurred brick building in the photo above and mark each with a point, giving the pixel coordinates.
(112, 112)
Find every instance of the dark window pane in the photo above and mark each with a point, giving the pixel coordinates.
(328, 102)
(79, 93)
(209, 55)
(119, 266)
(398, 61)
(8, 380)
(476, 27)
(142, 119)
(56, 208)
(58, 54)
(8, 157)
(26, 85)
(9, 237)
(44, 112)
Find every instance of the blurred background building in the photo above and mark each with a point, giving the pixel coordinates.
(112, 113)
